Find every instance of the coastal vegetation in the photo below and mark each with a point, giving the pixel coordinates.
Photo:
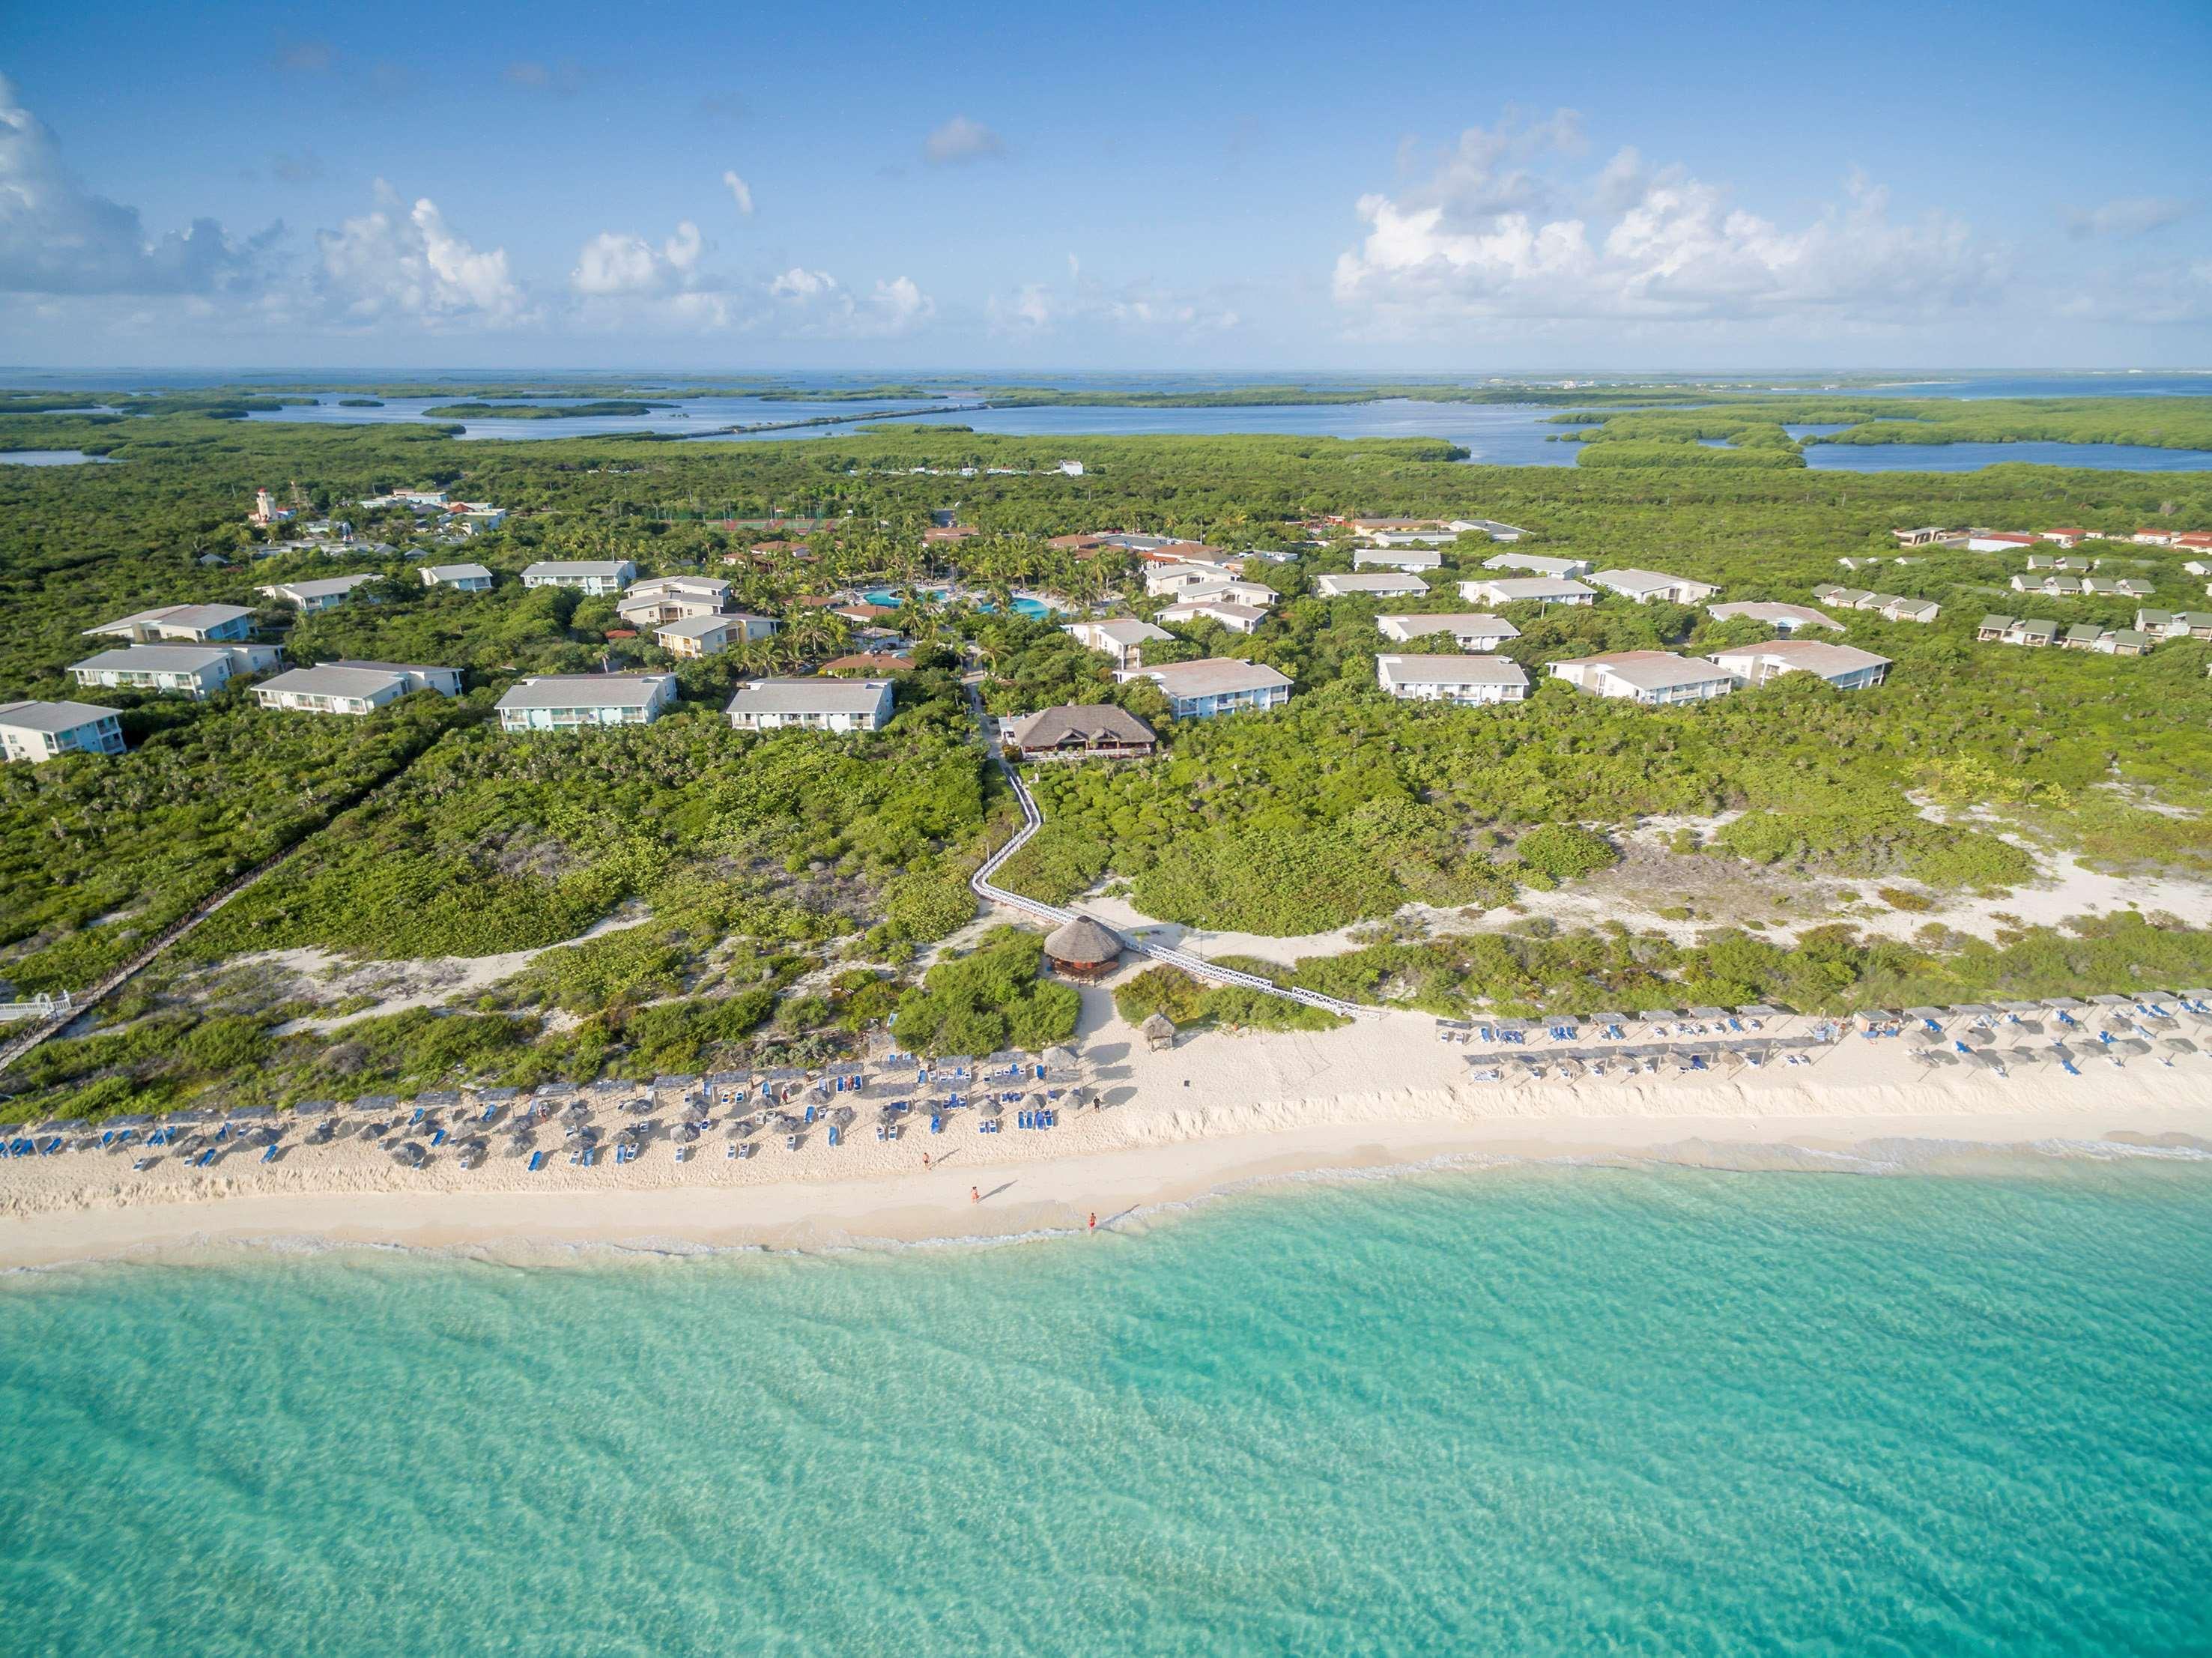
(697, 896)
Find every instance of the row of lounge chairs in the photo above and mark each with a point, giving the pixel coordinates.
(1654, 1060)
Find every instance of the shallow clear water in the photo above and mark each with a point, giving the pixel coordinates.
(1545, 1411)
(1036, 609)
(51, 458)
(1493, 435)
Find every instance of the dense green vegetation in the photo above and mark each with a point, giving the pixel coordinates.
(1754, 427)
(989, 999)
(758, 897)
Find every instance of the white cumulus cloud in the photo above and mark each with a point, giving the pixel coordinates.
(1497, 236)
(58, 237)
(613, 262)
(815, 303)
(740, 191)
(398, 262)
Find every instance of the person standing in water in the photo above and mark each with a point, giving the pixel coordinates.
(1094, 1220)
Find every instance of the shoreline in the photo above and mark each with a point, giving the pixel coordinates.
(1129, 1186)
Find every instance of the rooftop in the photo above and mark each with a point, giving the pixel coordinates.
(1215, 676)
(1453, 670)
(809, 696)
(330, 680)
(51, 716)
(1085, 722)
(588, 691)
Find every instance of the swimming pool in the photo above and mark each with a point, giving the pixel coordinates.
(1036, 609)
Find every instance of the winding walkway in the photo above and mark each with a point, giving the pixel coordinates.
(1197, 966)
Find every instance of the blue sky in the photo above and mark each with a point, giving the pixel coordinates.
(1416, 188)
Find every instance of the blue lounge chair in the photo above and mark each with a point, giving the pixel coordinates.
(270, 1155)
(420, 1113)
(836, 1135)
(437, 1136)
(937, 1122)
(536, 1161)
(205, 1158)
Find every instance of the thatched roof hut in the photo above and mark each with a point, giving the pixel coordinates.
(1082, 949)
(1157, 1030)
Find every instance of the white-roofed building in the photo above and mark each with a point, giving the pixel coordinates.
(597, 576)
(710, 634)
(194, 671)
(1178, 578)
(660, 599)
(1845, 667)
(569, 702)
(1527, 590)
(1370, 585)
(324, 594)
(1237, 619)
(1644, 586)
(195, 625)
(812, 704)
(1536, 564)
(38, 732)
(1785, 619)
(1650, 677)
(1470, 631)
(1122, 637)
(462, 578)
(1452, 679)
(352, 687)
(1216, 685)
(1388, 557)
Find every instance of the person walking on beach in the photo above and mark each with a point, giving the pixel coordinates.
(974, 1196)
(925, 1163)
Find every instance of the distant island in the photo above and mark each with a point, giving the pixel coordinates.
(540, 410)
(361, 403)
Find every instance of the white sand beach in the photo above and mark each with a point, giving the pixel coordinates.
(1215, 1112)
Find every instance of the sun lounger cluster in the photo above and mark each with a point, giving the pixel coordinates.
(586, 1122)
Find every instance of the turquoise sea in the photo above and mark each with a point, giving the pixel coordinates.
(1528, 1410)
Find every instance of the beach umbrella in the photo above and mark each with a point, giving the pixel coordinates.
(411, 1154)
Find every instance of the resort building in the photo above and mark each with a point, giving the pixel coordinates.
(568, 702)
(1238, 591)
(710, 636)
(38, 732)
(673, 598)
(596, 576)
(1997, 541)
(2152, 538)
(1928, 535)
(1527, 590)
(1124, 638)
(1406, 558)
(1082, 949)
(326, 593)
(194, 671)
(1470, 631)
(1784, 618)
(195, 625)
(1845, 667)
(1535, 565)
(1375, 586)
(1452, 679)
(1237, 619)
(814, 704)
(464, 578)
(353, 688)
(2175, 624)
(1178, 578)
(1908, 610)
(1644, 586)
(1217, 685)
(2015, 630)
(1083, 731)
(1650, 677)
